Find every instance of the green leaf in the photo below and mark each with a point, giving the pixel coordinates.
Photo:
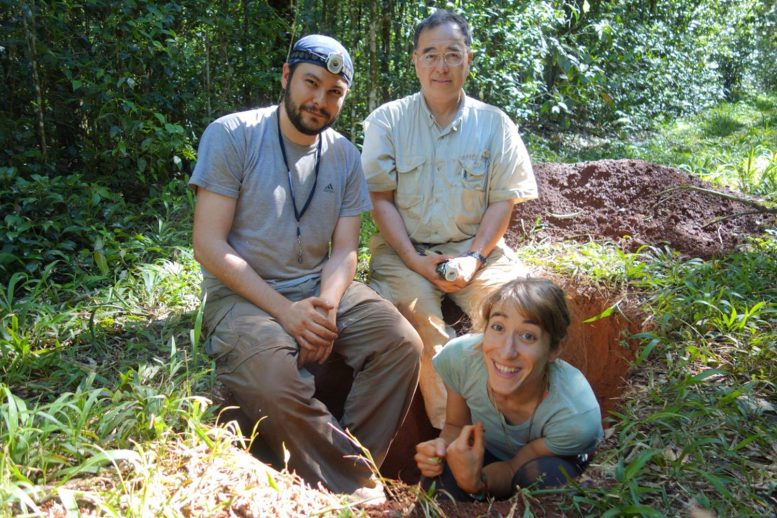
(636, 466)
(604, 314)
(707, 374)
(100, 261)
(271, 481)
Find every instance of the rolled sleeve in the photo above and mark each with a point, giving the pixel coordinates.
(512, 175)
(378, 155)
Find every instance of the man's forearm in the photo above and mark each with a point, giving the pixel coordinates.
(391, 227)
(222, 261)
(337, 274)
(492, 227)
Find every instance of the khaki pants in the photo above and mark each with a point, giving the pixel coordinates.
(420, 302)
(257, 360)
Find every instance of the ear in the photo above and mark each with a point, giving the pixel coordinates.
(554, 354)
(285, 76)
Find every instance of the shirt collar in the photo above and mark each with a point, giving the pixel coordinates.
(455, 124)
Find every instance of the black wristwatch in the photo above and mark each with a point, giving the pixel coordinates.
(477, 255)
(483, 494)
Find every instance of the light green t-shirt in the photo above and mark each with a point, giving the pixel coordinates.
(568, 418)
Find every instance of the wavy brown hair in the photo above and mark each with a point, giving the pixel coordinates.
(538, 299)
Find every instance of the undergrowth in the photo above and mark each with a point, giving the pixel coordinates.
(105, 393)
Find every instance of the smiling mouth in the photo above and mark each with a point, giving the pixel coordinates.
(504, 369)
(316, 113)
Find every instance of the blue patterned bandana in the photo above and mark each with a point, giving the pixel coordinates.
(325, 52)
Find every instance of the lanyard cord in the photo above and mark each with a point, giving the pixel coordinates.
(298, 214)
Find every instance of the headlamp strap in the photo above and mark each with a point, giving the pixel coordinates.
(334, 62)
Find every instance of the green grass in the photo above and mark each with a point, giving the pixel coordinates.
(104, 387)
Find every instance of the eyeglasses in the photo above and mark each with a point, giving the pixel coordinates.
(452, 59)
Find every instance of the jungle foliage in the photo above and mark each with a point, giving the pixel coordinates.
(120, 91)
(102, 373)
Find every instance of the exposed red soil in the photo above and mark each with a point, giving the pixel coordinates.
(633, 203)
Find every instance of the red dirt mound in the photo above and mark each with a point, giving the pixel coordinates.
(633, 203)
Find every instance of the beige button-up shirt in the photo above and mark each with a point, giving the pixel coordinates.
(445, 178)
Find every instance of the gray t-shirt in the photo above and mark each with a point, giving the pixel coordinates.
(239, 156)
(568, 418)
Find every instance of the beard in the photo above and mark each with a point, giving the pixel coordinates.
(294, 112)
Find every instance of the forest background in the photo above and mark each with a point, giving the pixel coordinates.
(101, 108)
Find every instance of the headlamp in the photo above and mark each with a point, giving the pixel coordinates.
(334, 62)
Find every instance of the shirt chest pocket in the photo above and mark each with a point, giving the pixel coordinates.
(409, 175)
(473, 171)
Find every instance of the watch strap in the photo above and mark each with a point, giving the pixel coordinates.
(477, 255)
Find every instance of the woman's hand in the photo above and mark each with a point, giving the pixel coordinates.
(465, 458)
(430, 456)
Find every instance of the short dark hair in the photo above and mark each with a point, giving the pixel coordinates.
(538, 299)
(441, 17)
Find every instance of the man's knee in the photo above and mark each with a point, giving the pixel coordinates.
(407, 336)
(400, 338)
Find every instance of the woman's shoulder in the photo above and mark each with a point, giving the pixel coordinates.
(569, 384)
(467, 343)
(461, 350)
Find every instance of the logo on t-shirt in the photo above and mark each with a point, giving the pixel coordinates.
(329, 188)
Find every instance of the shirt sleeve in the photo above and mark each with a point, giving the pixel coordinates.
(356, 199)
(378, 154)
(512, 177)
(219, 167)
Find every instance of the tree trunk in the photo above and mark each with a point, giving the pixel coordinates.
(29, 33)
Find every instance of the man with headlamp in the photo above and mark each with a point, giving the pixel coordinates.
(276, 189)
(444, 172)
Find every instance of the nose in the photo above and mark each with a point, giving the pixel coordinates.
(510, 346)
(318, 97)
(441, 63)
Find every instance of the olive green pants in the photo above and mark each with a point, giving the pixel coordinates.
(257, 360)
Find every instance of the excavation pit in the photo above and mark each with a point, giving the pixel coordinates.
(601, 349)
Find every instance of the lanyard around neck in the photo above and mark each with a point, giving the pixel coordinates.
(298, 214)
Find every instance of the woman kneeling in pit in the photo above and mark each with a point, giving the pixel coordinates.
(516, 415)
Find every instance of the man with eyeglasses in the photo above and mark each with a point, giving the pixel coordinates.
(444, 171)
(276, 227)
